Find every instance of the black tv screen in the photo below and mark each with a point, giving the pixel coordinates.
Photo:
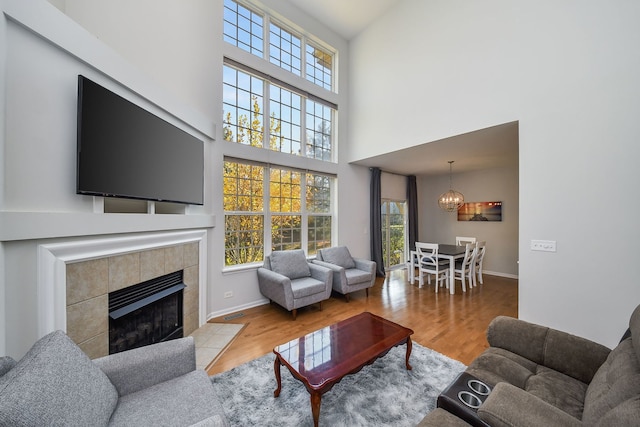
(126, 151)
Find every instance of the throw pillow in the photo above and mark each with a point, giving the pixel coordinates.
(55, 383)
(339, 256)
(292, 264)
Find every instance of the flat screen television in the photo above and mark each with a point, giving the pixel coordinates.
(126, 151)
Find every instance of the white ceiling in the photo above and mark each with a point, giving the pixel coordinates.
(346, 17)
(493, 147)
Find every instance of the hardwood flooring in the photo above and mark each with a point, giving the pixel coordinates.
(453, 325)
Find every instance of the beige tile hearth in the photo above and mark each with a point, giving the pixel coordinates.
(212, 339)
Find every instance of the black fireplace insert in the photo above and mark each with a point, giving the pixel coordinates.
(146, 313)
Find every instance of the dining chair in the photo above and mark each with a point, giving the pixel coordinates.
(461, 241)
(429, 263)
(463, 269)
(481, 248)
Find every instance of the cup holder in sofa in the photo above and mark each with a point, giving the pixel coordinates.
(463, 397)
(469, 399)
(479, 387)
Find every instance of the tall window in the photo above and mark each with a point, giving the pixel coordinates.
(298, 211)
(293, 114)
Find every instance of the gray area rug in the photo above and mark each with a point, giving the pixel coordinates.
(381, 394)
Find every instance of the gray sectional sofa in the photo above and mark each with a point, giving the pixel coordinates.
(56, 384)
(544, 377)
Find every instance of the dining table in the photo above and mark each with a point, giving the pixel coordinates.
(445, 251)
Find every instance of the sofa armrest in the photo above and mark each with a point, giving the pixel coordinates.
(510, 406)
(321, 273)
(577, 357)
(140, 368)
(365, 265)
(276, 287)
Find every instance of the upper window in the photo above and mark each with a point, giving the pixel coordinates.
(285, 49)
(248, 29)
(243, 28)
(296, 124)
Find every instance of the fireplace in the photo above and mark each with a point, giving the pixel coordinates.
(146, 313)
(77, 301)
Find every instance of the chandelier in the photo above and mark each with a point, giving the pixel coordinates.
(451, 200)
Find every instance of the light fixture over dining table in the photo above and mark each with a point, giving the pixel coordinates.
(451, 200)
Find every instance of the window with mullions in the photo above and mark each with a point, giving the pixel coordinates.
(243, 203)
(319, 66)
(285, 204)
(298, 208)
(285, 109)
(242, 104)
(318, 127)
(289, 113)
(285, 49)
(243, 28)
(247, 29)
(318, 203)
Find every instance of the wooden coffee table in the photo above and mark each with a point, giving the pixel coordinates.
(322, 358)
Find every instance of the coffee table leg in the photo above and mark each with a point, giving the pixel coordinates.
(315, 407)
(409, 345)
(276, 368)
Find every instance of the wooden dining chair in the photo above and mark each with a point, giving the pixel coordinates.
(461, 241)
(429, 264)
(463, 269)
(481, 248)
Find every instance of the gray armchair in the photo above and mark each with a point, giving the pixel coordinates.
(288, 279)
(349, 274)
(55, 383)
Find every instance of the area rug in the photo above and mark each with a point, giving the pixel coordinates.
(381, 394)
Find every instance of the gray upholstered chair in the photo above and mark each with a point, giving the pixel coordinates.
(349, 274)
(288, 279)
(55, 383)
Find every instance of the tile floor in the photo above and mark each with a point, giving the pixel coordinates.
(211, 339)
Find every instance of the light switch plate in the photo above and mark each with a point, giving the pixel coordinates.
(543, 245)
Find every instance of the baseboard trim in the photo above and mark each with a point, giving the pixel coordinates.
(495, 273)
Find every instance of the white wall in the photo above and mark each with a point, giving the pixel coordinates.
(489, 185)
(567, 71)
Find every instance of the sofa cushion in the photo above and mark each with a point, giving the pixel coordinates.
(292, 264)
(338, 255)
(55, 383)
(562, 391)
(306, 286)
(6, 364)
(182, 401)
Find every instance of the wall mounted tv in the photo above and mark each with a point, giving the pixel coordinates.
(126, 151)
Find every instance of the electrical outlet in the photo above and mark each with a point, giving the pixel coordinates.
(543, 245)
(228, 294)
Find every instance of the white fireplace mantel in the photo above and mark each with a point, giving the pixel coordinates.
(53, 258)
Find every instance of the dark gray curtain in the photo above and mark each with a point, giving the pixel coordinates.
(412, 214)
(376, 222)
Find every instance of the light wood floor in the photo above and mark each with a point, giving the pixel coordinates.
(453, 325)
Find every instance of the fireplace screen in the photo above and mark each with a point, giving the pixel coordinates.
(147, 313)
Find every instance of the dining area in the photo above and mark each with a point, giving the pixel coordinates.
(447, 263)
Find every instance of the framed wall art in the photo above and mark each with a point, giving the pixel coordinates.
(480, 211)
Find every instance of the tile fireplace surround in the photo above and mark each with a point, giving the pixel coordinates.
(75, 279)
